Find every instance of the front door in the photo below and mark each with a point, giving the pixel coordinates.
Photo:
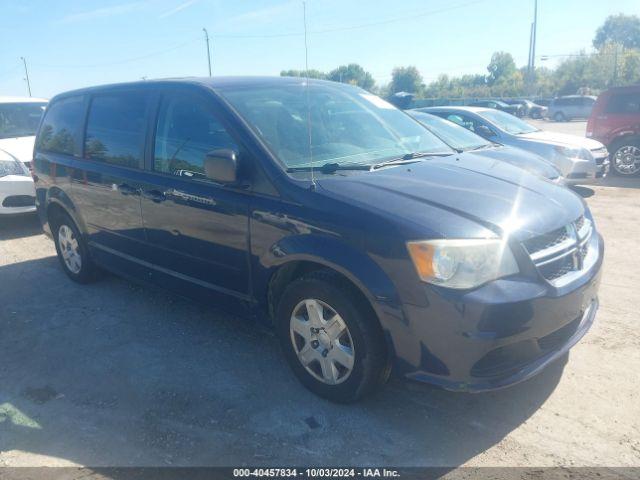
(197, 230)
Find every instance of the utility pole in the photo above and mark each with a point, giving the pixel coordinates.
(26, 74)
(534, 35)
(206, 37)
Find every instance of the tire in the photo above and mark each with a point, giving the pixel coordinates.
(327, 372)
(72, 250)
(622, 153)
(560, 117)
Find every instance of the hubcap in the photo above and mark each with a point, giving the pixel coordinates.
(69, 249)
(322, 341)
(627, 160)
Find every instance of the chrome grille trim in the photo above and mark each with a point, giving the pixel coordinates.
(568, 244)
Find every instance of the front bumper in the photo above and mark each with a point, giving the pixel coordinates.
(500, 334)
(17, 195)
(588, 173)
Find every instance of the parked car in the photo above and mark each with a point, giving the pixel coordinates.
(516, 110)
(325, 209)
(19, 118)
(16, 186)
(615, 121)
(564, 109)
(581, 160)
(463, 140)
(529, 108)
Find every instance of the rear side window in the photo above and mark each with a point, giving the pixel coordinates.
(187, 129)
(61, 127)
(624, 103)
(116, 129)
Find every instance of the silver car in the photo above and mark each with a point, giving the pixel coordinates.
(580, 160)
(563, 109)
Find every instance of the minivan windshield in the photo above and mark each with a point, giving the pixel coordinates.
(20, 119)
(507, 122)
(348, 125)
(453, 134)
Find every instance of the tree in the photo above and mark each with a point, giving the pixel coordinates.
(621, 29)
(353, 74)
(501, 67)
(301, 73)
(406, 79)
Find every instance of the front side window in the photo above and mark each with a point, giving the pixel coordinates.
(60, 131)
(116, 129)
(20, 119)
(507, 122)
(622, 103)
(187, 130)
(327, 123)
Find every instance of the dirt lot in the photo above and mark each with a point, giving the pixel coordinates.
(115, 374)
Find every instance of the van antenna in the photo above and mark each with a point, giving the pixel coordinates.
(306, 76)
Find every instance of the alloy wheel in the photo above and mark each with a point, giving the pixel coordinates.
(322, 341)
(70, 249)
(626, 160)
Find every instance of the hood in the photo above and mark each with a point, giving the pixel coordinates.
(436, 193)
(528, 161)
(563, 139)
(20, 147)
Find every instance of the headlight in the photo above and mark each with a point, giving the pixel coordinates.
(581, 153)
(10, 167)
(462, 263)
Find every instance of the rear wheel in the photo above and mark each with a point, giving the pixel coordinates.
(625, 159)
(560, 117)
(72, 250)
(331, 338)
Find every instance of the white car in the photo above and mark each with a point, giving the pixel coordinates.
(19, 119)
(581, 160)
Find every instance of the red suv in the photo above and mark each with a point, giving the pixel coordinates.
(615, 121)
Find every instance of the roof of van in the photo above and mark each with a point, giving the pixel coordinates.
(212, 82)
(7, 99)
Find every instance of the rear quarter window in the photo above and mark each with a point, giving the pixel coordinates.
(61, 127)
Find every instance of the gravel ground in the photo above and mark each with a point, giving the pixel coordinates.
(114, 374)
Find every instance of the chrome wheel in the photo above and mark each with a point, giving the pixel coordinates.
(69, 249)
(322, 341)
(626, 160)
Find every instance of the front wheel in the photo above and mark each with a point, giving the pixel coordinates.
(560, 117)
(331, 338)
(625, 160)
(72, 251)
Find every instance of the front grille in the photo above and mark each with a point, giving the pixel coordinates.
(560, 251)
(548, 240)
(19, 201)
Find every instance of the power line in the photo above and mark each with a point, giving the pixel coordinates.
(128, 60)
(353, 27)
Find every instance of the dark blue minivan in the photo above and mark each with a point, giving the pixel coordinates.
(371, 245)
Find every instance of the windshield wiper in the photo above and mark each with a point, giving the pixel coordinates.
(330, 167)
(409, 158)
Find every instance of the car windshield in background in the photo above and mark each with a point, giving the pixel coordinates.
(507, 122)
(453, 134)
(20, 119)
(348, 125)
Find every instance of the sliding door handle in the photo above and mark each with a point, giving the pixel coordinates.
(154, 195)
(127, 189)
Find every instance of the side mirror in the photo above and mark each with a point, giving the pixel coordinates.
(221, 165)
(485, 131)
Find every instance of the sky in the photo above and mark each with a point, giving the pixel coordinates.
(69, 44)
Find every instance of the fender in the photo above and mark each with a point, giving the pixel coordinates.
(55, 195)
(338, 255)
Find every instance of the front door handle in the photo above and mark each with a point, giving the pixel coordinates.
(154, 195)
(127, 189)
